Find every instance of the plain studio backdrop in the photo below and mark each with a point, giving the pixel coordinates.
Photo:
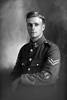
(13, 35)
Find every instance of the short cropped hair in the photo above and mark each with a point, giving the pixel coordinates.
(35, 14)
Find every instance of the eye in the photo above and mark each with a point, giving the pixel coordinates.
(29, 24)
(36, 24)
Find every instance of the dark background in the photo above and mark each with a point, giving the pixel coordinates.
(13, 35)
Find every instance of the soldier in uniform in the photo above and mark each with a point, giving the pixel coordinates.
(38, 61)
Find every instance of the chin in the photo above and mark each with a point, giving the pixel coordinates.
(34, 36)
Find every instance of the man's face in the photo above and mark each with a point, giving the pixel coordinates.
(35, 27)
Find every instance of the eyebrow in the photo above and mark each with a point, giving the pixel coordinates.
(32, 23)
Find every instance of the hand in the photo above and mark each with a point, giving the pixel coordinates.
(27, 79)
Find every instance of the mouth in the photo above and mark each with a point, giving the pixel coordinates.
(33, 32)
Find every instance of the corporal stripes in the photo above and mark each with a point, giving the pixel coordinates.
(53, 62)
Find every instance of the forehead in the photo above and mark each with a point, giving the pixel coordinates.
(34, 20)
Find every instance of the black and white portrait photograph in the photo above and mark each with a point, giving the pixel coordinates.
(33, 49)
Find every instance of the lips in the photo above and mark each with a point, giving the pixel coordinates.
(33, 32)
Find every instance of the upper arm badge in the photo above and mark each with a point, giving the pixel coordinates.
(53, 62)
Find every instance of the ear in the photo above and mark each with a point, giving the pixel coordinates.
(43, 27)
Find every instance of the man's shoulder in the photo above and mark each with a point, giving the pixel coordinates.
(52, 45)
(26, 45)
(53, 50)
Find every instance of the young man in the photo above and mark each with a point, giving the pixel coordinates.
(38, 61)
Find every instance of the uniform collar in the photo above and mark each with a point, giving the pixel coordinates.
(39, 41)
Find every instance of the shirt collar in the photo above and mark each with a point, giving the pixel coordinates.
(39, 41)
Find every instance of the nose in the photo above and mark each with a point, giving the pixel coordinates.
(33, 26)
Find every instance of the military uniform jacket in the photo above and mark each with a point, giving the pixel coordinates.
(40, 60)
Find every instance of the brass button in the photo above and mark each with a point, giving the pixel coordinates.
(35, 44)
(30, 59)
(31, 50)
(28, 69)
(22, 64)
(37, 64)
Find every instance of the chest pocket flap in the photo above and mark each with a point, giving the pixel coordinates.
(36, 62)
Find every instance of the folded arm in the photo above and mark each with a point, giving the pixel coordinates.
(49, 73)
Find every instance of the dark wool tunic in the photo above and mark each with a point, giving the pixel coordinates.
(40, 60)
